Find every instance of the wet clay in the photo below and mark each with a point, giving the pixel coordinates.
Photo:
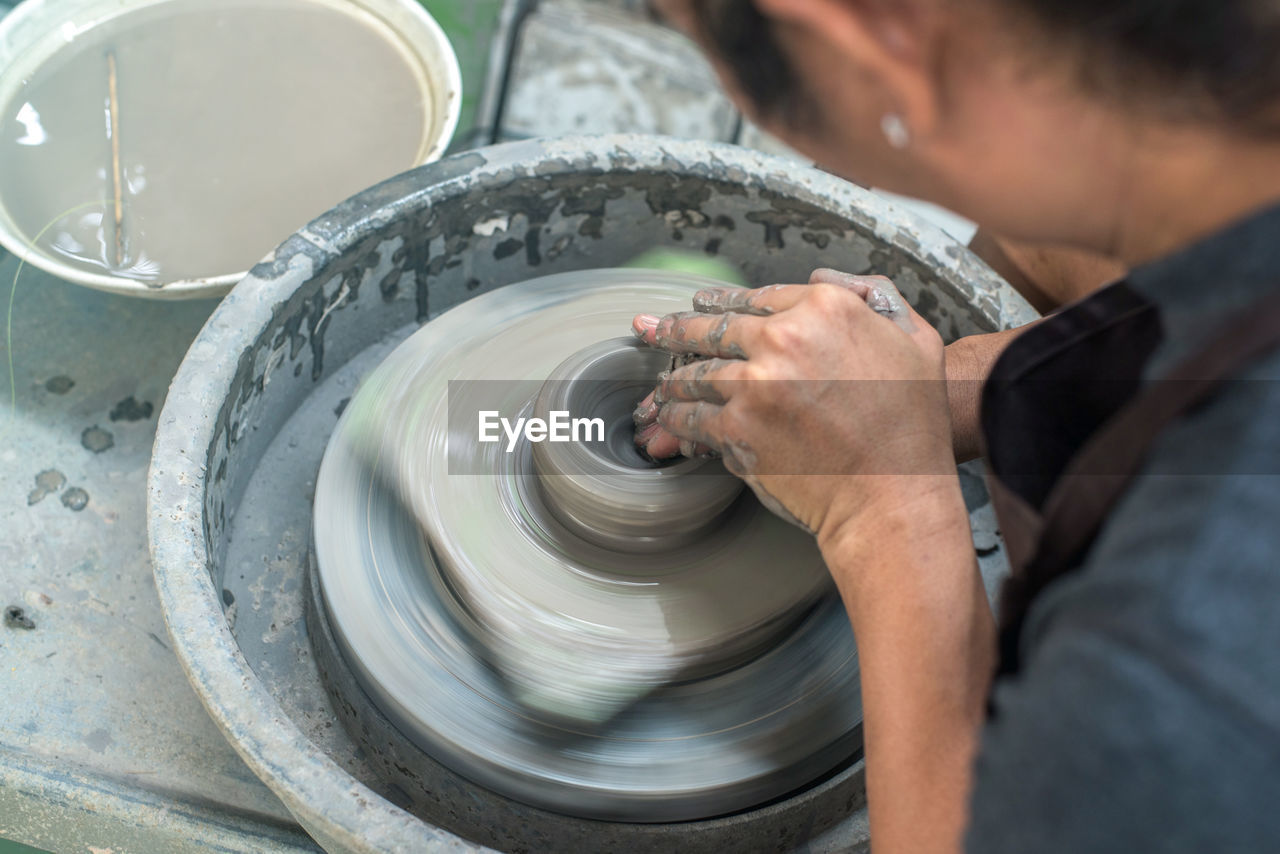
(503, 605)
(15, 617)
(96, 439)
(60, 384)
(130, 409)
(75, 499)
(606, 492)
(230, 125)
(620, 602)
(47, 482)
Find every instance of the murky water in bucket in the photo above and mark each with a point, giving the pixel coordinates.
(234, 123)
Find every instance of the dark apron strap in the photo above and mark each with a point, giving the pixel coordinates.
(1050, 544)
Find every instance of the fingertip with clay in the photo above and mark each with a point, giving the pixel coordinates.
(829, 276)
(646, 412)
(736, 300)
(656, 443)
(646, 433)
(722, 300)
(708, 299)
(879, 292)
(645, 327)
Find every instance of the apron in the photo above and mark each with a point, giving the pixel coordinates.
(1048, 539)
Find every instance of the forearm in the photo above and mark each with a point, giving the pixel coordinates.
(906, 570)
(968, 364)
(1048, 278)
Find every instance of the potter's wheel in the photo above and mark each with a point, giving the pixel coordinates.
(565, 623)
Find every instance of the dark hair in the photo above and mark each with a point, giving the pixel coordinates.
(1214, 60)
(747, 42)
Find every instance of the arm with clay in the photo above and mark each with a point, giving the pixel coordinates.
(830, 401)
(1049, 279)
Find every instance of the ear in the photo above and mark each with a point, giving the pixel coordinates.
(895, 42)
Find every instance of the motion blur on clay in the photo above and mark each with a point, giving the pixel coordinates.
(621, 604)
(416, 639)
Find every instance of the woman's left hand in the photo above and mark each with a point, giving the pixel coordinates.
(804, 386)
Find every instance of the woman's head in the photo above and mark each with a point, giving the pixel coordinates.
(1186, 60)
(1208, 60)
(1019, 113)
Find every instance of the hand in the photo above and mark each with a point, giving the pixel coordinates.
(838, 377)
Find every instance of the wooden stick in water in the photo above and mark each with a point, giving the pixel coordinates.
(113, 105)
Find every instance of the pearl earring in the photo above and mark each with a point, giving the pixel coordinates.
(895, 130)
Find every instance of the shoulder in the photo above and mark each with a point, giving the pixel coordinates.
(1204, 512)
(1190, 557)
(1148, 709)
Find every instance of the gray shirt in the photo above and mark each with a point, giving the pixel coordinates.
(1145, 715)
